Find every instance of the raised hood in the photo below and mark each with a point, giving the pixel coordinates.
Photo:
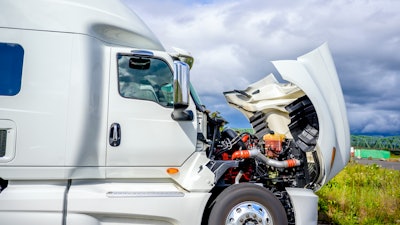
(308, 108)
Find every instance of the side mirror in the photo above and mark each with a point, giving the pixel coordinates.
(181, 92)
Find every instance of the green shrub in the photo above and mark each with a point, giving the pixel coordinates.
(361, 194)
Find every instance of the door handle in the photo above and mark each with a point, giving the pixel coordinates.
(115, 135)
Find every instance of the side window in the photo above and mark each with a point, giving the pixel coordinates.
(145, 78)
(11, 60)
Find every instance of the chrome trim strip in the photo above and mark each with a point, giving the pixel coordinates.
(136, 194)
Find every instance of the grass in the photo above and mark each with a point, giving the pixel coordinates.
(361, 194)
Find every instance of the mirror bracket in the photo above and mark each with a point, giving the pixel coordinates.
(182, 115)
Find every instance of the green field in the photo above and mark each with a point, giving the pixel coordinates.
(361, 194)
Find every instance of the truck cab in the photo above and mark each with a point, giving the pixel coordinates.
(100, 125)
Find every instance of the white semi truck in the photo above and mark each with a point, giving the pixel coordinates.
(100, 125)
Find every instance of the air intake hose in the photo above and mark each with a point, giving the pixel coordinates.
(255, 153)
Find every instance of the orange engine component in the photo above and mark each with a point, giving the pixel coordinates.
(273, 144)
(242, 154)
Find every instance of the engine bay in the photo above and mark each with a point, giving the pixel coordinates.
(266, 157)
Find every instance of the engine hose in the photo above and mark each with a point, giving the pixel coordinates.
(255, 153)
(238, 176)
(241, 154)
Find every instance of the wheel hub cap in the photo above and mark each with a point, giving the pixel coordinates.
(249, 213)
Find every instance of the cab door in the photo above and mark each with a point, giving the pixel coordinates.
(142, 132)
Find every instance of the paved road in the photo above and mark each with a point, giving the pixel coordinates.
(384, 164)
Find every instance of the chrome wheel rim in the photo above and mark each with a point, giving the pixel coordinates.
(249, 213)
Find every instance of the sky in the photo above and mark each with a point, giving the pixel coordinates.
(234, 41)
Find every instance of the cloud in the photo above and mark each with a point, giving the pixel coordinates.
(233, 42)
(374, 121)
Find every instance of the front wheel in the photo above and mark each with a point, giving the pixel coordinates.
(247, 204)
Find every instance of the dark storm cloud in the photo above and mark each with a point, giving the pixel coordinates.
(233, 42)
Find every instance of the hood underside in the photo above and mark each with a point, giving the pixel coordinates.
(308, 108)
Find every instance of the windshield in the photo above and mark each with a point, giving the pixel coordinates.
(196, 98)
(145, 78)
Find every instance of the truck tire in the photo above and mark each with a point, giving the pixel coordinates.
(247, 204)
